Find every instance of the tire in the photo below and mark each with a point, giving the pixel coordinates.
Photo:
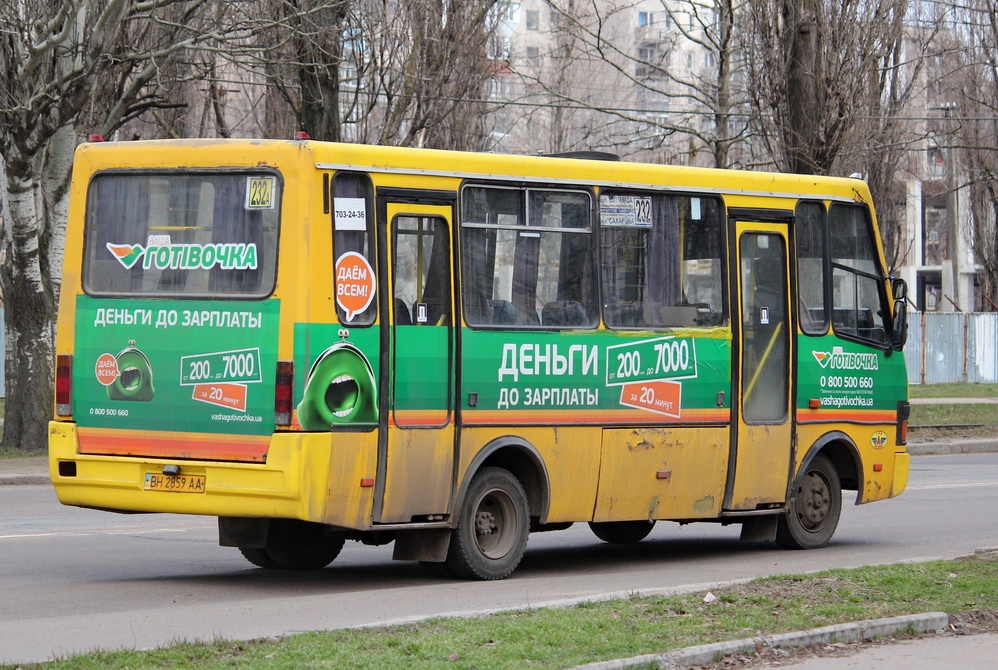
(814, 507)
(492, 529)
(258, 557)
(300, 545)
(621, 532)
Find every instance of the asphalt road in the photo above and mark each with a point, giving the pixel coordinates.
(75, 580)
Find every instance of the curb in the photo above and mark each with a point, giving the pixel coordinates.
(705, 654)
(25, 480)
(980, 445)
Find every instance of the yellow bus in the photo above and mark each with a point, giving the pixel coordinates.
(319, 342)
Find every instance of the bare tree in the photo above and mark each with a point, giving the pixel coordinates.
(432, 86)
(832, 80)
(818, 70)
(54, 54)
(295, 56)
(411, 72)
(976, 93)
(661, 78)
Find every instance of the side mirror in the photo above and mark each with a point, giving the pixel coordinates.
(899, 288)
(899, 329)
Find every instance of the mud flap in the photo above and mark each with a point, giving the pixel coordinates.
(428, 545)
(759, 529)
(234, 531)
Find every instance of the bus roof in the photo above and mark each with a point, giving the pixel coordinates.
(210, 152)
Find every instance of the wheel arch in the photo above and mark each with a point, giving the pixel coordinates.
(840, 449)
(522, 459)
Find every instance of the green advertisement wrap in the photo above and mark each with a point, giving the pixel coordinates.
(666, 377)
(846, 375)
(181, 365)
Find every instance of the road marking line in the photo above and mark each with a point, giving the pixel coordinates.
(922, 487)
(85, 533)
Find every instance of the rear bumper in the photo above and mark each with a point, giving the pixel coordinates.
(293, 483)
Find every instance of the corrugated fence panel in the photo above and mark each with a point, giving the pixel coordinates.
(952, 347)
(982, 344)
(913, 348)
(943, 342)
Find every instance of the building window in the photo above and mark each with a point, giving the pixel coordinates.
(533, 19)
(935, 163)
(533, 56)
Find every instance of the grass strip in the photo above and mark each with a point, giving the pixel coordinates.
(560, 638)
(959, 415)
(930, 415)
(953, 390)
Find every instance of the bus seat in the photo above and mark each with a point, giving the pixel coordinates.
(624, 315)
(502, 311)
(677, 315)
(403, 317)
(564, 313)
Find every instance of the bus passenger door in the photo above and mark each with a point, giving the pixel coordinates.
(762, 450)
(416, 461)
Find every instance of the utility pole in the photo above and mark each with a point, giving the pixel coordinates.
(951, 264)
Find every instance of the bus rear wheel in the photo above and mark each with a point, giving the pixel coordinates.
(492, 529)
(814, 508)
(296, 545)
(621, 532)
(258, 557)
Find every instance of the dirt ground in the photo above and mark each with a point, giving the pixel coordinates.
(966, 623)
(970, 622)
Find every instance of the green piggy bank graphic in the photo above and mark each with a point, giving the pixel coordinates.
(339, 388)
(134, 380)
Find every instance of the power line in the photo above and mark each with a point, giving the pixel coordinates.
(578, 106)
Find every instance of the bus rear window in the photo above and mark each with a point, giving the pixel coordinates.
(182, 234)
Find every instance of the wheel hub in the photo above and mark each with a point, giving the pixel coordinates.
(485, 523)
(493, 532)
(815, 502)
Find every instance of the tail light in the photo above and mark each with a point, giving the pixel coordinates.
(904, 412)
(284, 392)
(64, 385)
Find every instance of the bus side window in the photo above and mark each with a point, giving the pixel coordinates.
(859, 299)
(353, 231)
(526, 258)
(809, 232)
(661, 259)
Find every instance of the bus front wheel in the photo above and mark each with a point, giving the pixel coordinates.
(814, 509)
(621, 532)
(492, 529)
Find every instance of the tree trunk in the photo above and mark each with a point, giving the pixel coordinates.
(804, 96)
(723, 101)
(38, 198)
(28, 317)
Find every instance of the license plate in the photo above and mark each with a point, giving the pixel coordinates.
(177, 483)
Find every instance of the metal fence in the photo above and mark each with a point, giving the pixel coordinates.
(952, 347)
